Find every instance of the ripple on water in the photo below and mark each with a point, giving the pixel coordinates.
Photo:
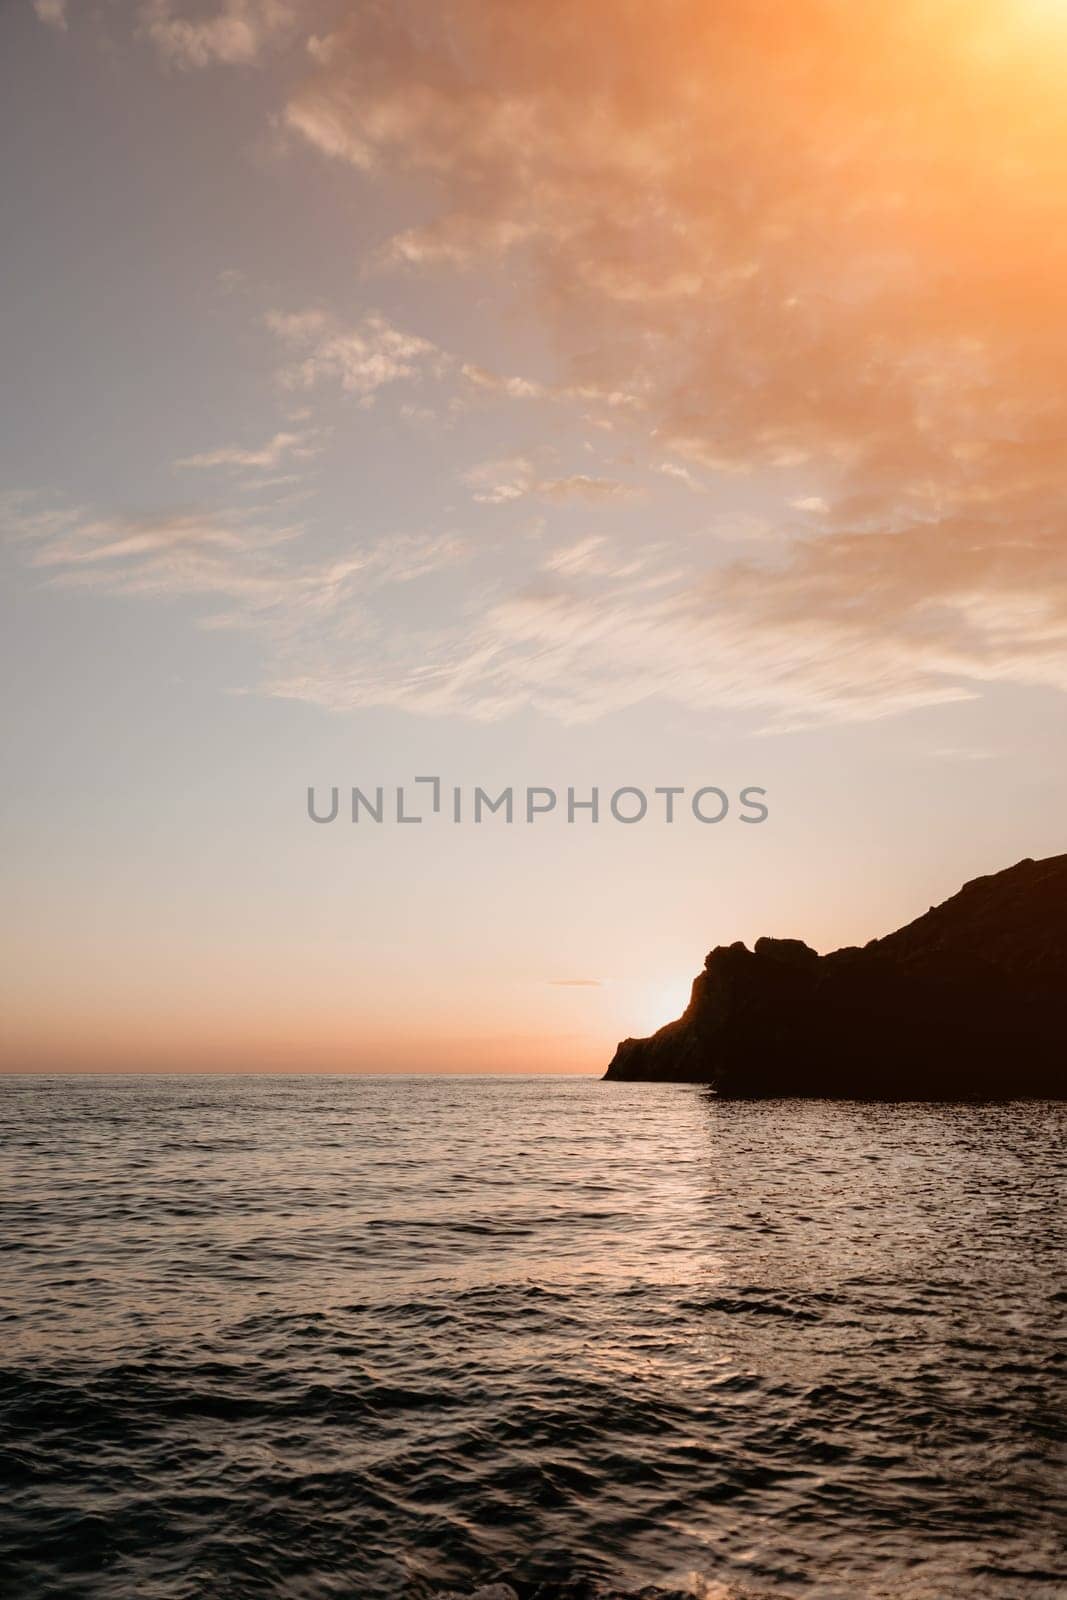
(378, 1337)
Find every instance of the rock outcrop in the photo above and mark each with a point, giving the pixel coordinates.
(968, 1000)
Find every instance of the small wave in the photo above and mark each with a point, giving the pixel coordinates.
(692, 1587)
(374, 1336)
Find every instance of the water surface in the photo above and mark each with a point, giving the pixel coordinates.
(311, 1337)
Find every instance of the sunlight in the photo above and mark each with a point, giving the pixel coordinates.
(656, 1003)
(1037, 13)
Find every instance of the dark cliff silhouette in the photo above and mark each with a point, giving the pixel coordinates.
(968, 1000)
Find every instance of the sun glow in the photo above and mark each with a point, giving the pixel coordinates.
(657, 1003)
(1030, 15)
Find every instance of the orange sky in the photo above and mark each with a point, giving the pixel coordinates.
(528, 393)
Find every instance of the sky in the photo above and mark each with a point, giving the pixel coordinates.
(568, 396)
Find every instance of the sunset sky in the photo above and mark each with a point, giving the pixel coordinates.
(664, 393)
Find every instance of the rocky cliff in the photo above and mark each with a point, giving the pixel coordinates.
(970, 999)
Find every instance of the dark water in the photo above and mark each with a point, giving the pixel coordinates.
(368, 1338)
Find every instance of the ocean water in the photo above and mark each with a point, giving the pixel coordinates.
(311, 1337)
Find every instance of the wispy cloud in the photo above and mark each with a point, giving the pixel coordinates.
(455, 241)
(362, 359)
(282, 447)
(243, 572)
(498, 482)
(772, 261)
(600, 557)
(581, 486)
(53, 13)
(830, 272)
(682, 474)
(234, 35)
(841, 627)
(515, 387)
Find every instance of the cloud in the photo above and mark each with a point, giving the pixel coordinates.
(53, 13)
(845, 627)
(455, 241)
(580, 486)
(361, 359)
(848, 628)
(841, 257)
(282, 447)
(597, 556)
(236, 35)
(494, 483)
(674, 469)
(498, 482)
(828, 276)
(244, 573)
(840, 627)
(519, 388)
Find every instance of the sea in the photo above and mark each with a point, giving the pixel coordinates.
(309, 1337)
